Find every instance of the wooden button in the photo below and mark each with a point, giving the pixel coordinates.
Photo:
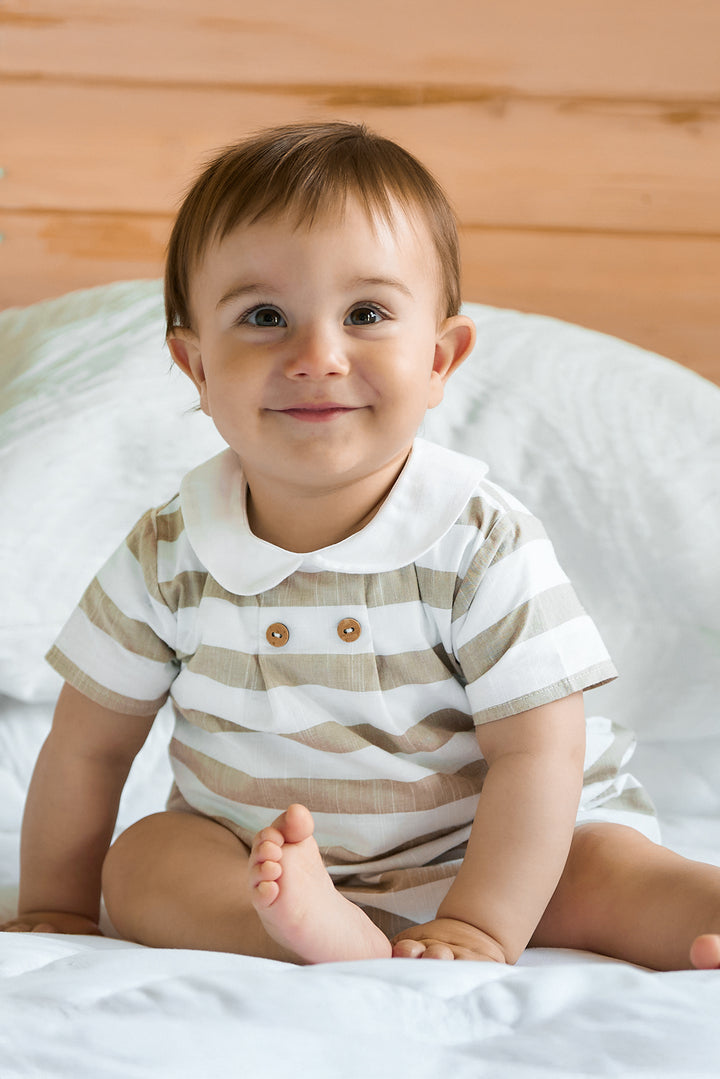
(277, 635)
(349, 629)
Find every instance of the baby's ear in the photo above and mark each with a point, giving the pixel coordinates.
(185, 350)
(455, 341)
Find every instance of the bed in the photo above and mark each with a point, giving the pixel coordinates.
(618, 451)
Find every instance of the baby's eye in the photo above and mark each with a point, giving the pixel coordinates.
(265, 317)
(365, 315)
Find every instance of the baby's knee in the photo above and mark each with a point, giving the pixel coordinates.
(135, 852)
(600, 848)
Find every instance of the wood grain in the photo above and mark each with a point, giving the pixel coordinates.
(659, 292)
(70, 251)
(646, 49)
(518, 163)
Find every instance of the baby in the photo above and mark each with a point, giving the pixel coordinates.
(376, 664)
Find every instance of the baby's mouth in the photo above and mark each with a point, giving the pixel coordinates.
(316, 413)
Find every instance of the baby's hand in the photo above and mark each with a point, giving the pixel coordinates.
(46, 921)
(446, 938)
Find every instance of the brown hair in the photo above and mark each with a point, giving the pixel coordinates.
(306, 170)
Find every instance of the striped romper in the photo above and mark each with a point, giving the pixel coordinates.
(351, 678)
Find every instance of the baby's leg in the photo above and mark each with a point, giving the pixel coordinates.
(180, 880)
(622, 895)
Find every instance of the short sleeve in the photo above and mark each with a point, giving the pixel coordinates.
(118, 646)
(520, 634)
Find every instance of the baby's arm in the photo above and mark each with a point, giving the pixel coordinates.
(70, 813)
(520, 837)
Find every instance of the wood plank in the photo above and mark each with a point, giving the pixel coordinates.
(658, 292)
(529, 163)
(45, 254)
(647, 49)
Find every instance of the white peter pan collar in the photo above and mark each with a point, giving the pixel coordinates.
(426, 500)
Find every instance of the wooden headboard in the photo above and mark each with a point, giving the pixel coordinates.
(578, 139)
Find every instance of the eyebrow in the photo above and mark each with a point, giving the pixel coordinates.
(373, 282)
(358, 282)
(240, 290)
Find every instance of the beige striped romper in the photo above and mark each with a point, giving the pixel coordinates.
(349, 679)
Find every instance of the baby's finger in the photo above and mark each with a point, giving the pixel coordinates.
(408, 949)
(439, 951)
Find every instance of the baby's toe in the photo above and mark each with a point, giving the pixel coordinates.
(296, 823)
(264, 894)
(266, 851)
(269, 835)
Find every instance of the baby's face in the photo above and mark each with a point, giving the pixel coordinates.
(317, 351)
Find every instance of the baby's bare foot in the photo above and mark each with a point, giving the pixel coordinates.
(296, 900)
(705, 952)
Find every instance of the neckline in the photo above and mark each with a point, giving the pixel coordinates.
(422, 506)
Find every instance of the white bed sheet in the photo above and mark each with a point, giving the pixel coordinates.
(618, 451)
(81, 1008)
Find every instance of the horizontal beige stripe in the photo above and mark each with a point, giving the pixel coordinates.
(411, 668)
(316, 590)
(187, 589)
(591, 678)
(356, 672)
(169, 526)
(427, 735)
(341, 856)
(134, 636)
(142, 544)
(545, 611)
(437, 587)
(409, 584)
(192, 586)
(239, 670)
(333, 856)
(508, 534)
(176, 803)
(207, 722)
(327, 795)
(398, 880)
(92, 689)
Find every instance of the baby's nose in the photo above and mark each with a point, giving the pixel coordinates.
(316, 354)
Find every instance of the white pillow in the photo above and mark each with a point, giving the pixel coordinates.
(618, 451)
(95, 428)
(615, 449)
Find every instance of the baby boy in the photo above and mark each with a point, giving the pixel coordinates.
(376, 664)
